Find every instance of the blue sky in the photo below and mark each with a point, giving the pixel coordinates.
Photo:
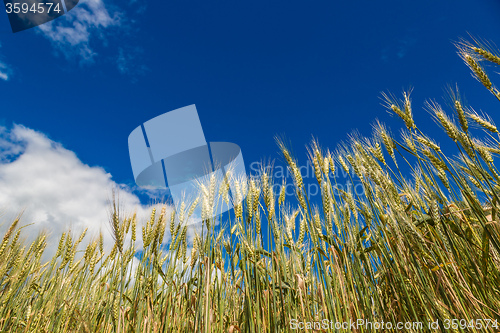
(254, 70)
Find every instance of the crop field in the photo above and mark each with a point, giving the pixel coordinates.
(419, 243)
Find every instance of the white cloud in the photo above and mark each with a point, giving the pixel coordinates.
(72, 33)
(5, 71)
(55, 189)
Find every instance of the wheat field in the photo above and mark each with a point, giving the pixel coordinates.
(419, 243)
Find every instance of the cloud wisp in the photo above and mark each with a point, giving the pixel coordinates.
(5, 71)
(73, 33)
(398, 49)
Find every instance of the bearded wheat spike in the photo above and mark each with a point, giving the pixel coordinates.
(297, 176)
(377, 151)
(428, 142)
(172, 222)
(444, 179)
(492, 150)
(477, 70)
(89, 251)
(69, 242)
(281, 198)
(152, 217)
(355, 166)
(250, 200)
(194, 254)
(408, 110)
(193, 206)
(80, 239)
(317, 169)
(126, 225)
(325, 197)
(244, 187)
(101, 242)
(180, 238)
(483, 52)
(388, 143)
(343, 164)
(317, 152)
(15, 240)
(93, 262)
(7, 236)
(270, 203)
(24, 269)
(182, 212)
(288, 225)
(238, 209)
(317, 221)
(288, 158)
(227, 245)
(461, 116)
(448, 125)
(398, 111)
(482, 121)
(386, 138)
(302, 231)
(116, 310)
(162, 225)
(302, 200)
(329, 223)
(10, 230)
(466, 188)
(117, 232)
(450, 128)
(332, 164)
(483, 152)
(145, 236)
(465, 142)
(326, 166)
(30, 249)
(184, 251)
(474, 181)
(408, 141)
(213, 184)
(406, 115)
(435, 211)
(224, 188)
(60, 246)
(352, 205)
(134, 227)
(41, 246)
(347, 214)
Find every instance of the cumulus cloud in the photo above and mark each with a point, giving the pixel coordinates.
(56, 191)
(73, 33)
